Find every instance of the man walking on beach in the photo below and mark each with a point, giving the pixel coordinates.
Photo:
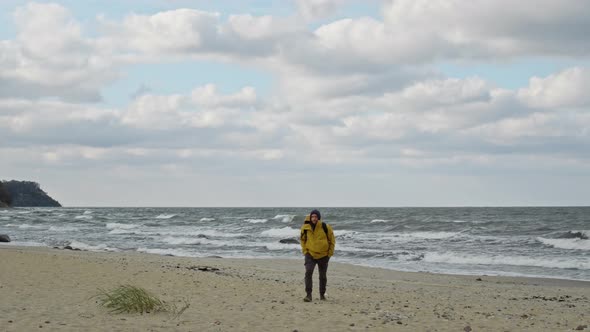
(317, 244)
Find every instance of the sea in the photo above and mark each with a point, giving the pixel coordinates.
(551, 242)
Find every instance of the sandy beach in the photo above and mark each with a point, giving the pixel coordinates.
(52, 289)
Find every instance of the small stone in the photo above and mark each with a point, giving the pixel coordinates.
(467, 328)
(478, 279)
(399, 322)
(351, 324)
(10, 321)
(47, 322)
(581, 327)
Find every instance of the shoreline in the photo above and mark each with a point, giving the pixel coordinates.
(39, 285)
(546, 280)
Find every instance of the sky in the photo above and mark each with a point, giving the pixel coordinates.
(306, 103)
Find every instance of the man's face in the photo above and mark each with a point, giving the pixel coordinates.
(314, 218)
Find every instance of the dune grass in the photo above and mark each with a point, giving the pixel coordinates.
(133, 299)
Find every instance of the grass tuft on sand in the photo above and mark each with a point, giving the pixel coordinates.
(133, 299)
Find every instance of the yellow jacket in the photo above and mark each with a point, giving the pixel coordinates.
(315, 241)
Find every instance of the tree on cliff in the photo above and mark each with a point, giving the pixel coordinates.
(4, 195)
(27, 193)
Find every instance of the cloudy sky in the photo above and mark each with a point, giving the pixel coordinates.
(297, 102)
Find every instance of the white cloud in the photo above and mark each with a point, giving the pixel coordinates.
(194, 33)
(433, 93)
(208, 97)
(493, 28)
(50, 57)
(354, 94)
(314, 9)
(175, 31)
(203, 108)
(566, 89)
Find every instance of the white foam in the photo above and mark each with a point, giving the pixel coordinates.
(355, 249)
(380, 221)
(87, 212)
(207, 219)
(407, 237)
(458, 258)
(574, 244)
(23, 244)
(281, 232)
(196, 232)
(115, 225)
(165, 216)
(193, 241)
(84, 216)
(25, 226)
(62, 229)
(5, 218)
(256, 221)
(432, 235)
(84, 246)
(281, 246)
(284, 217)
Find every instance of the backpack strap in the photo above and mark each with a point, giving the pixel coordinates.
(325, 227)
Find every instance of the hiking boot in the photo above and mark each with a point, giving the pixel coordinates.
(322, 297)
(307, 298)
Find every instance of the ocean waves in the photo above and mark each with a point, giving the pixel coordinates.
(509, 241)
(527, 261)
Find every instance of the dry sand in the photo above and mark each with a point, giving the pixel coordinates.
(50, 289)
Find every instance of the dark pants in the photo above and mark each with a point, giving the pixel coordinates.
(310, 264)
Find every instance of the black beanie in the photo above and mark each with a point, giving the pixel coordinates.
(316, 212)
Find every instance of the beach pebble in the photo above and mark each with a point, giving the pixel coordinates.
(467, 328)
(4, 238)
(581, 327)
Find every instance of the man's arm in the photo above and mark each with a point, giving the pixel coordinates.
(303, 240)
(331, 241)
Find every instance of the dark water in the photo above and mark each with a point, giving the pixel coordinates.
(539, 241)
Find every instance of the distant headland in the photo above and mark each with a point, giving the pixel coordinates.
(24, 194)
